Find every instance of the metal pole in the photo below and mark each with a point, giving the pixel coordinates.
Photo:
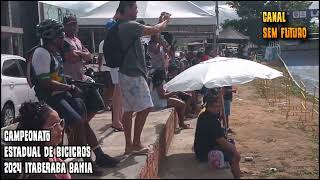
(216, 27)
(93, 41)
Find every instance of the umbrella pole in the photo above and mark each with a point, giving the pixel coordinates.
(223, 112)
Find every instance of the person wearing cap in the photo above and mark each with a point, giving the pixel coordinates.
(210, 135)
(112, 88)
(73, 53)
(49, 82)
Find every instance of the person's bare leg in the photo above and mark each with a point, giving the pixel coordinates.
(91, 137)
(138, 127)
(117, 108)
(180, 107)
(107, 96)
(90, 116)
(74, 139)
(188, 107)
(127, 126)
(235, 167)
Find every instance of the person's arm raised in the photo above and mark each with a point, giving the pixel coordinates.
(156, 29)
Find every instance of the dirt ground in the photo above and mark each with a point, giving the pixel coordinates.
(261, 132)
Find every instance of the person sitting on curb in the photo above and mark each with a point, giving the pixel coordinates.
(163, 99)
(210, 135)
(51, 87)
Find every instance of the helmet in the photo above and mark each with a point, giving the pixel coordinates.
(50, 29)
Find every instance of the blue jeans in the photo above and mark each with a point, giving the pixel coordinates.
(69, 108)
(227, 107)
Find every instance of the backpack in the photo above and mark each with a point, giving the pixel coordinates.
(113, 49)
(30, 71)
(216, 160)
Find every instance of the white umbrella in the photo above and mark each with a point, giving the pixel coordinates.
(219, 72)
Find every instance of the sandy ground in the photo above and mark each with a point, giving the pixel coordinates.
(260, 132)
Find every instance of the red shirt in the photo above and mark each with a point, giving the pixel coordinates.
(205, 58)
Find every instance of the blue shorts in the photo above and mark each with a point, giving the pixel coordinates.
(227, 107)
(69, 108)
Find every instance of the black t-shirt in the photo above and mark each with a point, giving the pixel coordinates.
(208, 130)
(228, 93)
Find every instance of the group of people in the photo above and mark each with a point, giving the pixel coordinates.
(61, 55)
(64, 107)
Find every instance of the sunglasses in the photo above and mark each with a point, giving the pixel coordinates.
(61, 123)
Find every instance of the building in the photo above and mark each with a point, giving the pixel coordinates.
(18, 22)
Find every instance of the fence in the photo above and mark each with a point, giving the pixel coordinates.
(292, 101)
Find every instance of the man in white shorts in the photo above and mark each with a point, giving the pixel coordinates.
(132, 76)
(117, 109)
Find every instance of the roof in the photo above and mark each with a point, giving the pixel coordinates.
(10, 56)
(6, 56)
(230, 33)
(183, 13)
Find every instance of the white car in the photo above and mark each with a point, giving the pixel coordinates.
(15, 89)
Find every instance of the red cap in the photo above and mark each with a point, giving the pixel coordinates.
(69, 19)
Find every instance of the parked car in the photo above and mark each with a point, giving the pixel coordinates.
(15, 89)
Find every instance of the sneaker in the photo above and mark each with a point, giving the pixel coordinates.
(107, 161)
(230, 131)
(97, 171)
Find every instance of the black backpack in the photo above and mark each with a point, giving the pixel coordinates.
(113, 49)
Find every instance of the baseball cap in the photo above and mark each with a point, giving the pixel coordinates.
(69, 19)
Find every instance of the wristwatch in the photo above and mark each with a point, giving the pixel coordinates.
(72, 87)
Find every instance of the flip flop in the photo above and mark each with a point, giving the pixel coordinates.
(117, 129)
(127, 153)
(186, 126)
(143, 151)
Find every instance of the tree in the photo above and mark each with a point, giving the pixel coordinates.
(250, 13)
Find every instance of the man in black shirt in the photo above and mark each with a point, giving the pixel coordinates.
(210, 136)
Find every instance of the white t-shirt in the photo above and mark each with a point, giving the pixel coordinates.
(41, 62)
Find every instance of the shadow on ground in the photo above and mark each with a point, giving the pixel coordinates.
(120, 172)
(186, 166)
